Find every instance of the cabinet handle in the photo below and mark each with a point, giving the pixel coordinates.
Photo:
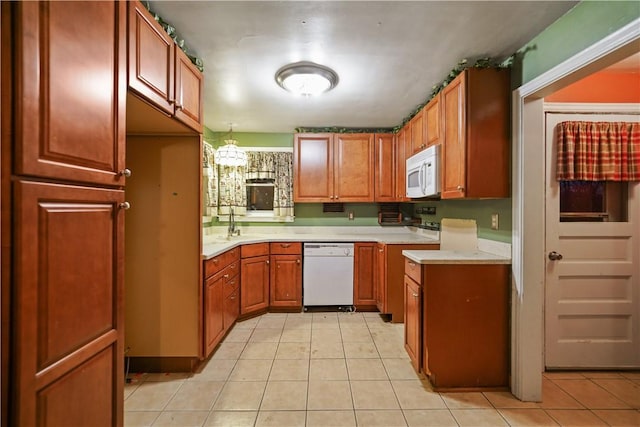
(337, 197)
(125, 172)
(460, 187)
(412, 264)
(415, 295)
(330, 197)
(267, 261)
(285, 245)
(226, 276)
(215, 260)
(124, 205)
(297, 261)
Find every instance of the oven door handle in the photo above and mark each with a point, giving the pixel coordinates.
(421, 178)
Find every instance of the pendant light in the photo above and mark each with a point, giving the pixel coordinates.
(230, 154)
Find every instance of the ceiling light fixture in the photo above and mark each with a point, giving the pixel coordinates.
(230, 154)
(306, 78)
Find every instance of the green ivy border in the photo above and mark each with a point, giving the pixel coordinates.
(171, 31)
(486, 62)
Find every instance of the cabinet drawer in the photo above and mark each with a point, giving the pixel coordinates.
(254, 249)
(285, 248)
(217, 263)
(231, 285)
(413, 270)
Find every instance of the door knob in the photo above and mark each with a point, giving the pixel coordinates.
(555, 256)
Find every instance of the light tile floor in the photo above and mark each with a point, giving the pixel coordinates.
(351, 369)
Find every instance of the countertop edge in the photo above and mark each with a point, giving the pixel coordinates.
(455, 257)
(212, 249)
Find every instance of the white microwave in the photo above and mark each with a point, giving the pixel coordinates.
(423, 176)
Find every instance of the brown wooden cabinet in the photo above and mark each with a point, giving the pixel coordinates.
(254, 278)
(385, 167)
(412, 321)
(333, 168)
(160, 72)
(286, 276)
(70, 126)
(464, 326)
(221, 301)
(401, 165)
(433, 121)
(63, 139)
(390, 278)
(475, 155)
(417, 139)
(364, 277)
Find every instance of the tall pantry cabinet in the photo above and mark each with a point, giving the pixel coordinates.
(63, 139)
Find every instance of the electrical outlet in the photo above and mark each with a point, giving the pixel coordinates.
(350, 216)
(494, 221)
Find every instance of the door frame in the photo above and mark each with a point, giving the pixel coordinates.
(528, 188)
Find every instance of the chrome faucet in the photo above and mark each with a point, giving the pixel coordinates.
(232, 230)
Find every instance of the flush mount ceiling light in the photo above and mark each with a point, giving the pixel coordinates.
(230, 154)
(306, 78)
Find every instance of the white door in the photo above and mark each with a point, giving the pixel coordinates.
(592, 294)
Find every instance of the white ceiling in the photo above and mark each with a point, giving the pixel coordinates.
(388, 54)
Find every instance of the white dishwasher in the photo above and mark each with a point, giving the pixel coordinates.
(327, 277)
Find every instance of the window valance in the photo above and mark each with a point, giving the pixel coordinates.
(598, 151)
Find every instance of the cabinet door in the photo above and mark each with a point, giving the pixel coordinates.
(213, 312)
(286, 281)
(354, 167)
(188, 89)
(454, 154)
(231, 308)
(313, 168)
(151, 59)
(381, 278)
(364, 292)
(68, 336)
(254, 284)
(433, 120)
(385, 168)
(70, 83)
(401, 166)
(417, 132)
(412, 311)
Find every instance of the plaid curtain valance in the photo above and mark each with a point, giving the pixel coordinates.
(598, 151)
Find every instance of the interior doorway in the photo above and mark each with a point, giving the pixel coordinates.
(592, 289)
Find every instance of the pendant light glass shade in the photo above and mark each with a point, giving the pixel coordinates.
(230, 154)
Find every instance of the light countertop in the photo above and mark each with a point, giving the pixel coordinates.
(455, 257)
(217, 243)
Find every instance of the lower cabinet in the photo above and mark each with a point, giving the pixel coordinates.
(390, 278)
(412, 324)
(254, 278)
(221, 297)
(364, 276)
(213, 312)
(457, 324)
(286, 276)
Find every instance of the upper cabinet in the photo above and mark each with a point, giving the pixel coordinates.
(433, 121)
(333, 167)
(475, 155)
(385, 169)
(160, 72)
(417, 140)
(70, 106)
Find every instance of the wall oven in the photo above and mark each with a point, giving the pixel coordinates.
(423, 173)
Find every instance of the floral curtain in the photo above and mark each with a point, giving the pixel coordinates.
(598, 151)
(209, 181)
(232, 193)
(279, 167)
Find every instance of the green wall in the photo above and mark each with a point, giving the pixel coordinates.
(582, 26)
